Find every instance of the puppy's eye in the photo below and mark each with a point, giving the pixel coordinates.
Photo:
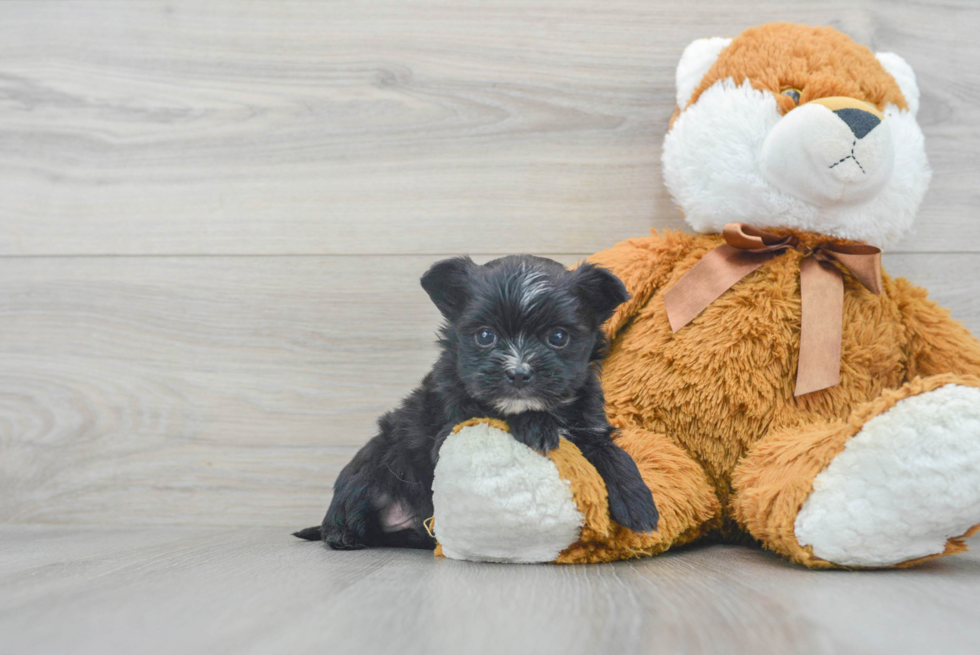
(792, 93)
(485, 338)
(558, 339)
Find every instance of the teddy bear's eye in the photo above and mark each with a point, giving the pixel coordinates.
(794, 94)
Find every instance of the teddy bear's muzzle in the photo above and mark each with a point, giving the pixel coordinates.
(830, 151)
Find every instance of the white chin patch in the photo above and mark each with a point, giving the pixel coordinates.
(812, 154)
(716, 153)
(509, 406)
(902, 486)
(497, 500)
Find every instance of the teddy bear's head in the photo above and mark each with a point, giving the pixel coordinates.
(797, 127)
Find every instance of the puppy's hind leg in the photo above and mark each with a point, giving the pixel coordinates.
(350, 522)
(380, 498)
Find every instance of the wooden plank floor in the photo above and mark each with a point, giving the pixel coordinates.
(213, 219)
(75, 590)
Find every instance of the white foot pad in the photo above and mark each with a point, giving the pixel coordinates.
(903, 485)
(496, 500)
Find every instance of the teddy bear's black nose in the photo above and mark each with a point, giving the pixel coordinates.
(861, 122)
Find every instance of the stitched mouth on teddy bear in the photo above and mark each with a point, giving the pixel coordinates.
(829, 155)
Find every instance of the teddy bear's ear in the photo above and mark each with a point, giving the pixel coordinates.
(696, 61)
(904, 75)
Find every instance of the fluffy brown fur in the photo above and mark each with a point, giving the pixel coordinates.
(820, 61)
(711, 408)
(709, 413)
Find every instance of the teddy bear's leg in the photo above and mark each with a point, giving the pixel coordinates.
(684, 496)
(896, 484)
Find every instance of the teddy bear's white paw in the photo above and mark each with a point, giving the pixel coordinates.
(902, 486)
(497, 500)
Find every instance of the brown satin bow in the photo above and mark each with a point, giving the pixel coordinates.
(745, 249)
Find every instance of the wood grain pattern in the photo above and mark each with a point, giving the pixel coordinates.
(301, 126)
(213, 219)
(225, 390)
(210, 210)
(208, 390)
(196, 590)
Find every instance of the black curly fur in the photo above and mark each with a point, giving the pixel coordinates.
(522, 300)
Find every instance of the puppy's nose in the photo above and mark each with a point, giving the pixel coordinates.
(861, 122)
(520, 376)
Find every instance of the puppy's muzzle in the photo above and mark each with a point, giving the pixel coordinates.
(519, 376)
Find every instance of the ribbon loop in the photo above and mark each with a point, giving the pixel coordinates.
(745, 249)
(746, 237)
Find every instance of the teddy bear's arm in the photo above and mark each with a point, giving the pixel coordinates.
(644, 265)
(936, 342)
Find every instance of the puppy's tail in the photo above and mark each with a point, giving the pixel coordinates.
(310, 534)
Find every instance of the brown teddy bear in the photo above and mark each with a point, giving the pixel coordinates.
(770, 381)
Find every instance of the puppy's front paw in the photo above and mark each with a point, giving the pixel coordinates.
(631, 505)
(537, 430)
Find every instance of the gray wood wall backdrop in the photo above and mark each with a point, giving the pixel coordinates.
(213, 215)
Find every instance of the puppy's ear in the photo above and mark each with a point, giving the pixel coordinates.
(600, 290)
(446, 282)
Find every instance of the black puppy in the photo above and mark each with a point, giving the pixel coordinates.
(521, 342)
